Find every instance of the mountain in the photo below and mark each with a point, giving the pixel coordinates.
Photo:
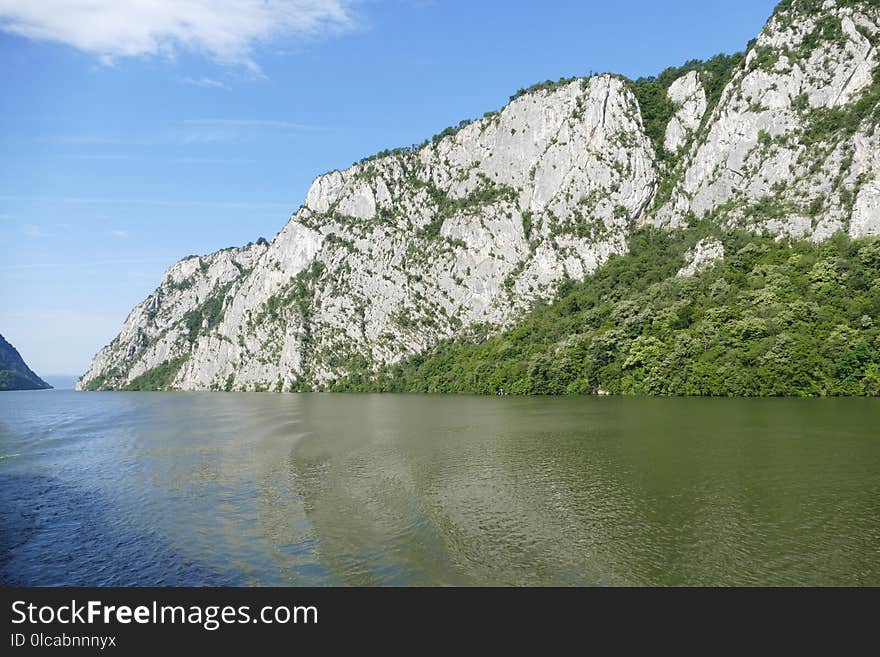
(448, 243)
(792, 146)
(14, 372)
(771, 319)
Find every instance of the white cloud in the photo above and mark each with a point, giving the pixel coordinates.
(226, 30)
(119, 233)
(209, 83)
(35, 231)
(249, 123)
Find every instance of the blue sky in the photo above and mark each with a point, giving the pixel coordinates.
(134, 134)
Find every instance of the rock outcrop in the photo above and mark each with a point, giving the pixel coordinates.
(689, 98)
(390, 256)
(792, 145)
(705, 254)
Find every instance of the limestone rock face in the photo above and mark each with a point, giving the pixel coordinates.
(705, 254)
(787, 147)
(392, 255)
(388, 257)
(156, 330)
(865, 219)
(689, 98)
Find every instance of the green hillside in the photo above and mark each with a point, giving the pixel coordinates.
(773, 318)
(14, 372)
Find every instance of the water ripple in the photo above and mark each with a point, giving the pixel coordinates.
(261, 489)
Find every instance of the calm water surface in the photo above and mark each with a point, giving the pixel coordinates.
(245, 489)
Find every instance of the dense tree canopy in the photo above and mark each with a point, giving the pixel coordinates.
(772, 318)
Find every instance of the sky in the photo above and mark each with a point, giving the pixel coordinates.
(136, 132)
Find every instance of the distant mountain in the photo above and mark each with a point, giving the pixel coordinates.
(464, 234)
(14, 372)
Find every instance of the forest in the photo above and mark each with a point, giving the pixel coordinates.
(773, 318)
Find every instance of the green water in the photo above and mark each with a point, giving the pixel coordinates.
(177, 488)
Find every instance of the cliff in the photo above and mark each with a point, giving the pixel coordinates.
(14, 372)
(468, 231)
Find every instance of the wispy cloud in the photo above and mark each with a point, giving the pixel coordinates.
(95, 140)
(190, 131)
(121, 234)
(81, 200)
(146, 158)
(211, 131)
(79, 264)
(250, 123)
(209, 83)
(226, 30)
(37, 232)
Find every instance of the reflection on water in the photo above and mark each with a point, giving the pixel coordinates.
(243, 489)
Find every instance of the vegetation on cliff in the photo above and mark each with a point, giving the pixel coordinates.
(460, 238)
(773, 318)
(14, 372)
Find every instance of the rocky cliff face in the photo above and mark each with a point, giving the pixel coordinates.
(792, 147)
(161, 329)
(388, 257)
(689, 98)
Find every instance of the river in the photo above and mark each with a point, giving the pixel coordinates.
(243, 489)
